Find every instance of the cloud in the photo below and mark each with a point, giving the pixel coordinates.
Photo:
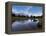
(26, 11)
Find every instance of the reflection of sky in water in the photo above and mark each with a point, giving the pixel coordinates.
(22, 25)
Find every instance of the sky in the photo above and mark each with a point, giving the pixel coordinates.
(27, 10)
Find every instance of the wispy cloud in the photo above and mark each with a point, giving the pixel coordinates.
(27, 10)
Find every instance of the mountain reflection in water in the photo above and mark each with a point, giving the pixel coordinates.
(20, 25)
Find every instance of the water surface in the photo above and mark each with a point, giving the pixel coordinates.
(20, 25)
